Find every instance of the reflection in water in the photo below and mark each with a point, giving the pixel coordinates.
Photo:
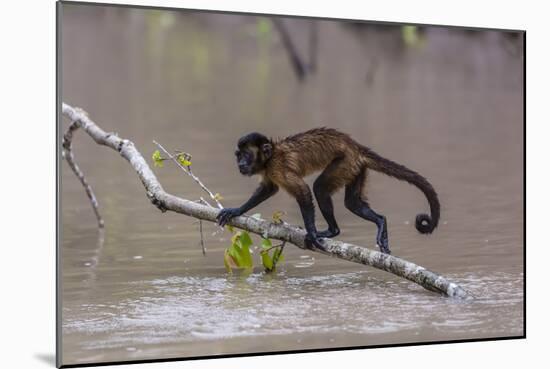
(450, 108)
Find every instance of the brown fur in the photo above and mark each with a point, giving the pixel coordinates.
(343, 161)
(297, 156)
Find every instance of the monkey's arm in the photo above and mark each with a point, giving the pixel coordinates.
(262, 193)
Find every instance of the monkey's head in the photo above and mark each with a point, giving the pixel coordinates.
(253, 152)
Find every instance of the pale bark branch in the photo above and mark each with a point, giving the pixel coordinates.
(69, 157)
(283, 232)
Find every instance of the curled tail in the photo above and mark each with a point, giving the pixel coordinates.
(424, 222)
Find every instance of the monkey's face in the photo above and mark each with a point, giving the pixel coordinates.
(253, 151)
(246, 160)
(251, 159)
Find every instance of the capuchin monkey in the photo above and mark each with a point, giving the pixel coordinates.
(343, 162)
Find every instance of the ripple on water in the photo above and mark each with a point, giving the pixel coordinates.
(304, 261)
(184, 309)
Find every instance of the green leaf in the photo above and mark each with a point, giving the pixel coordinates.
(246, 242)
(230, 228)
(183, 159)
(411, 36)
(184, 162)
(278, 255)
(227, 261)
(267, 261)
(245, 239)
(270, 259)
(263, 27)
(158, 160)
(239, 250)
(266, 243)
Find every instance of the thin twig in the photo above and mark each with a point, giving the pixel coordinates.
(202, 238)
(202, 200)
(190, 173)
(277, 256)
(273, 247)
(205, 202)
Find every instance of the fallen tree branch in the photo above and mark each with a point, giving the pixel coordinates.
(283, 232)
(69, 157)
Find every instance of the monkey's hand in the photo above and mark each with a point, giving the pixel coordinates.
(312, 240)
(225, 215)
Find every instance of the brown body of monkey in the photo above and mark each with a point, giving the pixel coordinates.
(305, 153)
(343, 162)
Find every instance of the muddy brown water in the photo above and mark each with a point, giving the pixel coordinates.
(450, 107)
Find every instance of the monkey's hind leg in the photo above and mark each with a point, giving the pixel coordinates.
(324, 186)
(355, 203)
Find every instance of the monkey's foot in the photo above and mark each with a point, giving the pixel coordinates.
(313, 242)
(383, 245)
(329, 233)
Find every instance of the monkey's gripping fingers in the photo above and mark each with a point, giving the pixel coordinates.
(225, 215)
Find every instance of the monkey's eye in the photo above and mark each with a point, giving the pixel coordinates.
(237, 153)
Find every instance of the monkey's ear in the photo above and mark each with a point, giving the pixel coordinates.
(267, 150)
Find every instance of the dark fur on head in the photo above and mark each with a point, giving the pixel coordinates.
(253, 151)
(254, 138)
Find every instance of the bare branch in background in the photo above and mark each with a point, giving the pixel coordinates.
(283, 232)
(297, 63)
(372, 67)
(313, 46)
